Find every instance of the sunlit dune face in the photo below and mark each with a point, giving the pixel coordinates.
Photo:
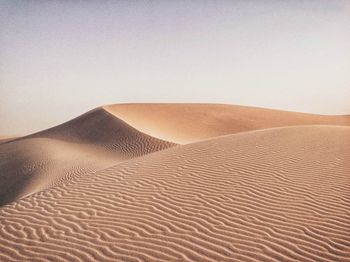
(274, 195)
(185, 123)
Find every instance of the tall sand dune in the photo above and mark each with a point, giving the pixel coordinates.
(111, 134)
(280, 194)
(88, 143)
(185, 123)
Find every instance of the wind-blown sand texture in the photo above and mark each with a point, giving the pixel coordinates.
(98, 189)
(87, 143)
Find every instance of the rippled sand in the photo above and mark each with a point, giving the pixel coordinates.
(246, 184)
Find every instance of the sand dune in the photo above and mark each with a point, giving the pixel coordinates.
(260, 185)
(88, 143)
(279, 194)
(101, 128)
(185, 123)
(111, 134)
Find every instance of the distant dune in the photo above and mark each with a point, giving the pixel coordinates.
(186, 123)
(249, 184)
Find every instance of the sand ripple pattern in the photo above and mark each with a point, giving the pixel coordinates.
(91, 142)
(272, 195)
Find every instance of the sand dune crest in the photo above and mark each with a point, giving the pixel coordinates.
(88, 143)
(186, 123)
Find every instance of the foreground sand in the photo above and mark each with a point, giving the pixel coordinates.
(278, 194)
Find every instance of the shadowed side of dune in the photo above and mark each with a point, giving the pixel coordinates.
(272, 195)
(33, 164)
(99, 127)
(88, 143)
(185, 123)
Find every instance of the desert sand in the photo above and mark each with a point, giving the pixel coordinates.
(4, 139)
(186, 123)
(178, 182)
(87, 143)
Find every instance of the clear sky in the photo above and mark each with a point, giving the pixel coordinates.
(59, 59)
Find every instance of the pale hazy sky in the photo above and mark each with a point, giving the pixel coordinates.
(59, 59)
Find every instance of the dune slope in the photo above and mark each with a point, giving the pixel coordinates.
(88, 143)
(280, 194)
(4, 139)
(186, 123)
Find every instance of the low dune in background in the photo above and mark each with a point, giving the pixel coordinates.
(115, 184)
(186, 123)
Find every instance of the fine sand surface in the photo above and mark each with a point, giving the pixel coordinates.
(87, 143)
(107, 187)
(185, 123)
